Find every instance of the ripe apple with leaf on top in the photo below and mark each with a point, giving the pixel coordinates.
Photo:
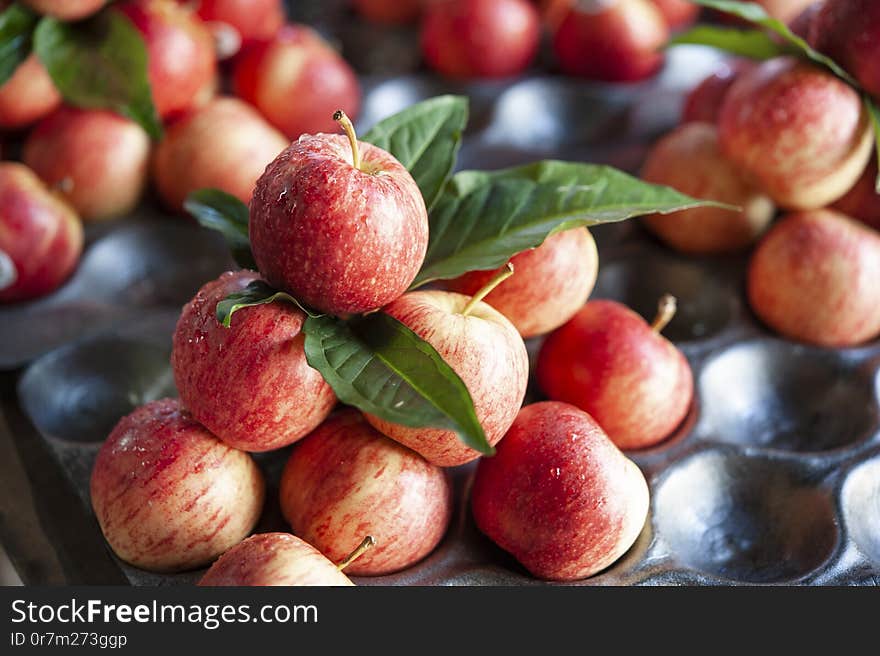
(483, 348)
(250, 383)
(338, 223)
(346, 479)
(611, 363)
(558, 495)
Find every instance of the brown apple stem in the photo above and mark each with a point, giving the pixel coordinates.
(366, 544)
(502, 275)
(665, 312)
(342, 118)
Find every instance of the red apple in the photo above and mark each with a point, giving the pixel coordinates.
(690, 160)
(182, 66)
(704, 102)
(558, 495)
(862, 202)
(609, 362)
(621, 41)
(487, 353)
(66, 10)
(297, 81)
(849, 32)
(389, 12)
(250, 383)
(41, 237)
(273, 559)
(253, 20)
(678, 13)
(338, 223)
(27, 96)
(480, 38)
(168, 495)
(796, 131)
(224, 145)
(552, 282)
(97, 159)
(346, 479)
(814, 276)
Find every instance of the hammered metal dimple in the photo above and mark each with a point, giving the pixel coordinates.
(774, 476)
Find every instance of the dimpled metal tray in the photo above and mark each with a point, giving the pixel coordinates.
(773, 478)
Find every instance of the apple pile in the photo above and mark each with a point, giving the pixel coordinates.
(795, 134)
(97, 146)
(341, 232)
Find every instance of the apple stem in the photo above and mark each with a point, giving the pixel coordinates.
(342, 118)
(366, 544)
(500, 277)
(666, 308)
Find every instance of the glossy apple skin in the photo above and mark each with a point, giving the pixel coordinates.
(27, 96)
(703, 103)
(250, 383)
(551, 283)
(487, 353)
(41, 237)
(340, 239)
(849, 32)
(608, 362)
(97, 159)
(813, 279)
(297, 81)
(689, 160)
(254, 20)
(346, 480)
(558, 495)
(797, 132)
(617, 42)
(678, 13)
(273, 559)
(389, 12)
(862, 202)
(224, 145)
(168, 495)
(182, 65)
(66, 10)
(480, 38)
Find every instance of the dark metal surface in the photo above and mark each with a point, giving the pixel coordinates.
(773, 478)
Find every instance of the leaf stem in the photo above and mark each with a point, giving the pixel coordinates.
(502, 275)
(666, 308)
(342, 118)
(366, 544)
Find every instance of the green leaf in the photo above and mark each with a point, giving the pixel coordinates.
(425, 138)
(256, 293)
(755, 44)
(874, 113)
(227, 215)
(380, 366)
(99, 63)
(754, 13)
(485, 218)
(16, 30)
